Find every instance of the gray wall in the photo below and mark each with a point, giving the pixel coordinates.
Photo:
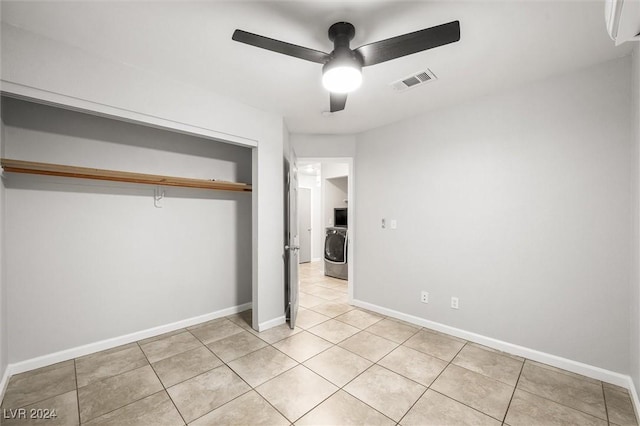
(89, 260)
(634, 300)
(335, 192)
(519, 204)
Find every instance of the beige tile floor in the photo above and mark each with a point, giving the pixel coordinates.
(340, 366)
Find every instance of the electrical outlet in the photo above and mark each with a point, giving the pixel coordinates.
(454, 303)
(424, 297)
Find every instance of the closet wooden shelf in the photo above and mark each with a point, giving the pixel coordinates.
(30, 167)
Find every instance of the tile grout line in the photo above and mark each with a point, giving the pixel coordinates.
(604, 398)
(515, 387)
(161, 384)
(460, 402)
(254, 388)
(107, 378)
(251, 388)
(560, 403)
(49, 397)
(340, 388)
(75, 375)
(433, 381)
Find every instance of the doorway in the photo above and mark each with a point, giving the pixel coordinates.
(329, 182)
(304, 224)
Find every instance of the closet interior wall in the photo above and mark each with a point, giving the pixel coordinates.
(88, 261)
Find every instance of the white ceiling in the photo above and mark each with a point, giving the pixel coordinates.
(503, 44)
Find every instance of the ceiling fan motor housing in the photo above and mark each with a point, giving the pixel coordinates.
(341, 34)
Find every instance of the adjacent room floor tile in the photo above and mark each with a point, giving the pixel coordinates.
(106, 395)
(235, 346)
(528, 409)
(296, 391)
(368, 345)
(475, 390)
(262, 365)
(40, 384)
(332, 309)
(414, 365)
(489, 363)
(338, 365)
(569, 390)
(156, 409)
(386, 391)
(169, 346)
(307, 318)
(344, 410)
(277, 333)
(435, 344)
(208, 391)
(393, 330)
(344, 299)
(60, 410)
(619, 406)
(359, 318)
(185, 365)
(109, 363)
(302, 346)
(434, 409)
(248, 409)
(334, 331)
(327, 294)
(314, 288)
(341, 287)
(308, 300)
(216, 331)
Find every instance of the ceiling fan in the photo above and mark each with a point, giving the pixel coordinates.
(341, 71)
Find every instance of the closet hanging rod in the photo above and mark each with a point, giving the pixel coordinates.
(30, 167)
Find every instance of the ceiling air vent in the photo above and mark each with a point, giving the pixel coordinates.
(414, 80)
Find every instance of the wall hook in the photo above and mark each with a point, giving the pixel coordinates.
(158, 196)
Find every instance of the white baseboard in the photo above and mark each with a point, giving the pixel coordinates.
(532, 354)
(4, 381)
(634, 397)
(271, 323)
(67, 354)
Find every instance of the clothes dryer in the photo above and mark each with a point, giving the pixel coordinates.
(335, 253)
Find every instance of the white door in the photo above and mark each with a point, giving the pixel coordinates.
(292, 241)
(304, 224)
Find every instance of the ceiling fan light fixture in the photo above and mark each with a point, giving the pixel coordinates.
(342, 79)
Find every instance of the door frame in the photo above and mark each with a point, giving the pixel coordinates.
(300, 230)
(351, 230)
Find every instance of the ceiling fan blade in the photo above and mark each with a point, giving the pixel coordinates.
(407, 44)
(280, 47)
(337, 101)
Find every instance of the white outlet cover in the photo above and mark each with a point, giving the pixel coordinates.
(424, 297)
(394, 224)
